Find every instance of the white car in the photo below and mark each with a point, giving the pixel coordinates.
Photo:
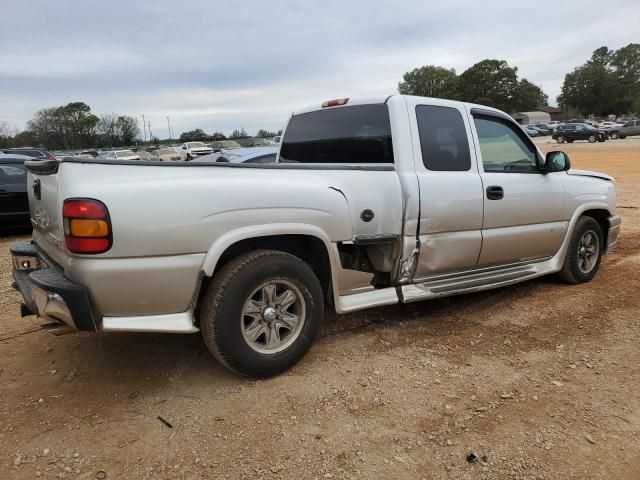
(243, 155)
(196, 149)
(120, 155)
(167, 154)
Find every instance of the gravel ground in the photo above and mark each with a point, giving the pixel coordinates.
(534, 381)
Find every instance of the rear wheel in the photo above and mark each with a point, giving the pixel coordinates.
(560, 139)
(584, 253)
(262, 312)
(570, 140)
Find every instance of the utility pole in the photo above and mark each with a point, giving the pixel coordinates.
(144, 126)
(169, 127)
(150, 134)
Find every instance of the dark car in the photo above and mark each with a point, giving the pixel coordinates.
(542, 128)
(577, 131)
(37, 153)
(14, 206)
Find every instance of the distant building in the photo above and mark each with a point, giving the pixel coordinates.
(527, 118)
(554, 112)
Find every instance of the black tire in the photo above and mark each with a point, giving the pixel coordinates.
(592, 139)
(622, 137)
(570, 140)
(572, 271)
(614, 135)
(222, 311)
(560, 139)
(188, 157)
(601, 140)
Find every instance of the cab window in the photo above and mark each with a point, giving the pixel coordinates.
(503, 147)
(443, 139)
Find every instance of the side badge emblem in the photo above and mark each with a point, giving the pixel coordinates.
(367, 215)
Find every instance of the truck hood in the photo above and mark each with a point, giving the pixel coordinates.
(588, 173)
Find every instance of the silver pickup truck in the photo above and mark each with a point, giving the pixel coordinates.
(372, 202)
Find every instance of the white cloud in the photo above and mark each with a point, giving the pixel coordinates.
(221, 65)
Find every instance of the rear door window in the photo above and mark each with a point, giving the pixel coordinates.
(443, 139)
(345, 135)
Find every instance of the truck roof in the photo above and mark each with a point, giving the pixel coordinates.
(378, 100)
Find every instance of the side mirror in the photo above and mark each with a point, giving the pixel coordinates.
(184, 147)
(557, 161)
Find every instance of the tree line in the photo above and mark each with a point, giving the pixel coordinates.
(199, 135)
(607, 84)
(72, 126)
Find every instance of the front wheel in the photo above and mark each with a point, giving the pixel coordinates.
(584, 253)
(592, 139)
(262, 312)
(560, 139)
(614, 135)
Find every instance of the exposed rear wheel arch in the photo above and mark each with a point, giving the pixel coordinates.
(308, 248)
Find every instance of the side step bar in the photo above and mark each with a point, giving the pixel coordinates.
(466, 283)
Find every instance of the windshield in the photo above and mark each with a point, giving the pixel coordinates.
(125, 153)
(195, 144)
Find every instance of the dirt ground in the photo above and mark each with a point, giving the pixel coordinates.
(538, 381)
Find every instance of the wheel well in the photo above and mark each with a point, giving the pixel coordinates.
(308, 248)
(602, 217)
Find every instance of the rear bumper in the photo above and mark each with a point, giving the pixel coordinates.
(47, 292)
(614, 231)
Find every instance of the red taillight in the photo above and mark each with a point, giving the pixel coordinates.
(87, 228)
(52, 157)
(335, 103)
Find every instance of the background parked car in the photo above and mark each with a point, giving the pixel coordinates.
(224, 145)
(243, 155)
(37, 153)
(532, 132)
(162, 154)
(120, 155)
(542, 128)
(629, 129)
(14, 206)
(195, 149)
(253, 142)
(570, 132)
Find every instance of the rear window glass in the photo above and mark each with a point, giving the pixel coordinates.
(357, 134)
(12, 173)
(443, 139)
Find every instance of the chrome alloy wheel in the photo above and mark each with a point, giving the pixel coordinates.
(273, 316)
(588, 251)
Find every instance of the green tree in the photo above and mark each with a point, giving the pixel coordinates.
(217, 136)
(242, 133)
(607, 83)
(430, 81)
(262, 133)
(193, 135)
(489, 82)
(127, 130)
(528, 96)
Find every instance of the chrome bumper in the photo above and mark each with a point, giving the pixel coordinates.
(48, 293)
(614, 231)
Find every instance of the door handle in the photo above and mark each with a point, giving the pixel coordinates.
(495, 192)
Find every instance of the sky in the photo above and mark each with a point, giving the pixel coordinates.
(221, 65)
